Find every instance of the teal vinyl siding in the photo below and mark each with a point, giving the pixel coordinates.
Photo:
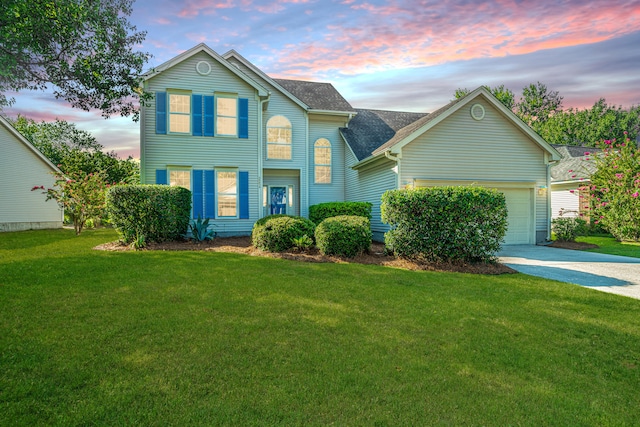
(162, 151)
(326, 127)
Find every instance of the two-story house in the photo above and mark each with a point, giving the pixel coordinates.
(248, 145)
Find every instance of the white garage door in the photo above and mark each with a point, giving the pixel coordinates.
(520, 207)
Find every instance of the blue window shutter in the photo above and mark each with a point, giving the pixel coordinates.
(243, 118)
(243, 186)
(208, 115)
(161, 112)
(209, 194)
(161, 176)
(196, 115)
(198, 194)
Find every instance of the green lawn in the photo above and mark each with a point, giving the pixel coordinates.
(196, 338)
(609, 245)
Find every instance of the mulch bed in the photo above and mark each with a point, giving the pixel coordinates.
(580, 246)
(376, 255)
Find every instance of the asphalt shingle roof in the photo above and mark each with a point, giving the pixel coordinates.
(573, 166)
(370, 129)
(318, 96)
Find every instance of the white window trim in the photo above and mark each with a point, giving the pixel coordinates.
(170, 113)
(217, 115)
(316, 164)
(236, 194)
(281, 144)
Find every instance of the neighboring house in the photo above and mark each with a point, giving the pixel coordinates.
(23, 167)
(248, 145)
(568, 179)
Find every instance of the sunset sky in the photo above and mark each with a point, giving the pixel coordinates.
(397, 55)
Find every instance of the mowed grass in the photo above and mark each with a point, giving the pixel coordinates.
(608, 245)
(195, 338)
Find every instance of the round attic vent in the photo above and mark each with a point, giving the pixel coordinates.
(203, 68)
(477, 112)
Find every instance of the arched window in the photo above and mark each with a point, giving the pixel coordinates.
(322, 161)
(279, 138)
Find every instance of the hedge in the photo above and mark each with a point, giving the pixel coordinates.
(445, 223)
(346, 235)
(322, 211)
(276, 233)
(156, 212)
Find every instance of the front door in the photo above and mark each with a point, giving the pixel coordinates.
(277, 200)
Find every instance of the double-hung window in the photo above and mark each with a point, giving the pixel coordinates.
(227, 193)
(279, 138)
(226, 115)
(180, 178)
(179, 113)
(322, 161)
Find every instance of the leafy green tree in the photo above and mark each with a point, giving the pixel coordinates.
(81, 195)
(73, 150)
(504, 95)
(84, 48)
(589, 126)
(615, 188)
(538, 104)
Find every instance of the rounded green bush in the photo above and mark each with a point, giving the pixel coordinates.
(277, 233)
(344, 235)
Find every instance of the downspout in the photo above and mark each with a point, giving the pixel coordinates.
(260, 154)
(396, 159)
(306, 169)
(550, 163)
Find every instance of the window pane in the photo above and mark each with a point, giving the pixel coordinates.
(180, 178)
(323, 156)
(323, 174)
(227, 107)
(277, 151)
(179, 123)
(179, 103)
(226, 182)
(226, 205)
(227, 126)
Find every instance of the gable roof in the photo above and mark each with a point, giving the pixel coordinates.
(420, 125)
(5, 123)
(262, 91)
(370, 129)
(318, 96)
(573, 167)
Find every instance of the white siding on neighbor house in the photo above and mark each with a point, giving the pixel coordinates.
(368, 185)
(327, 127)
(566, 202)
(493, 149)
(161, 151)
(21, 169)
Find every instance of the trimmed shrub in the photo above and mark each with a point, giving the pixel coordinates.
(322, 211)
(278, 233)
(344, 235)
(156, 212)
(445, 223)
(567, 229)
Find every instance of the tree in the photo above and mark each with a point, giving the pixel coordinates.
(82, 47)
(615, 189)
(81, 195)
(590, 126)
(73, 150)
(538, 104)
(503, 94)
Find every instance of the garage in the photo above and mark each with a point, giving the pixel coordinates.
(520, 207)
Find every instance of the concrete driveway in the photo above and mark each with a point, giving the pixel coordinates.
(608, 273)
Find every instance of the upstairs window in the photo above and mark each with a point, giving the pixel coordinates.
(279, 138)
(322, 161)
(226, 115)
(179, 113)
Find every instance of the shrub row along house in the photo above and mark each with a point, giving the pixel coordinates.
(248, 145)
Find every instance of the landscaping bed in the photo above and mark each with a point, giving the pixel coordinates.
(376, 255)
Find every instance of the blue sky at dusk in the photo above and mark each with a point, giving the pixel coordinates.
(397, 55)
